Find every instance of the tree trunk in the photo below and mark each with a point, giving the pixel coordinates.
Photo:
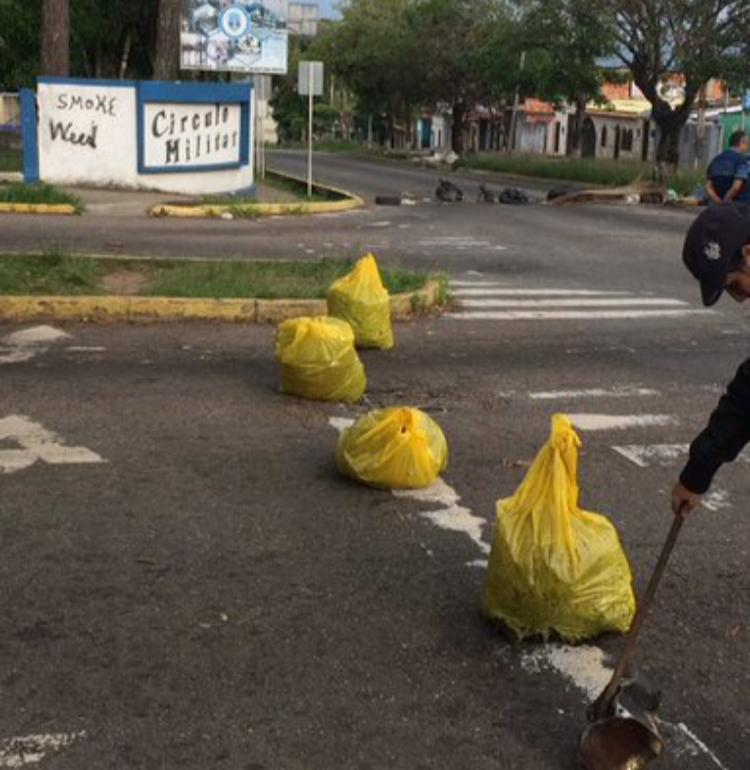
(575, 128)
(670, 124)
(167, 56)
(457, 133)
(55, 56)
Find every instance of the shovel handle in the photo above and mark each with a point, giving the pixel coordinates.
(601, 706)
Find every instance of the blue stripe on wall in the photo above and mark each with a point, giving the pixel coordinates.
(29, 136)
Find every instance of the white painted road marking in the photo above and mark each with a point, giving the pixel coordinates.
(24, 750)
(467, 289)
(619, 421)
(574, 315)
(37, 443)
(583, 302)
(26, 344)
(617, 392)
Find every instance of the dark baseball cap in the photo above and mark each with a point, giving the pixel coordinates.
(713, 245)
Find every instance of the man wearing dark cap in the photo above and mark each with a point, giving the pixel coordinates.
(728, 172)
(717, 253)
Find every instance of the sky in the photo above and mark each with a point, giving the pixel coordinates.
(327, 8)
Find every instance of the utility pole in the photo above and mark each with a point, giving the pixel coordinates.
(511, 144)
(55, 42)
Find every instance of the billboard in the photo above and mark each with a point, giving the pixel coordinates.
(244, 36)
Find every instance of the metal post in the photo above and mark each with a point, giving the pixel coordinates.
(309, 128)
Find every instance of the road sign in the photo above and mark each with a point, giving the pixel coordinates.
(310, 72)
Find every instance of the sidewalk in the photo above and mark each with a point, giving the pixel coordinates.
(134, 203)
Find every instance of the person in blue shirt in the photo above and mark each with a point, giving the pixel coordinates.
(729, 171)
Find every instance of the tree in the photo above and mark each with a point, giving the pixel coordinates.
(678, 43)
(167, 53)
(565, 40)
(454, 39)
(55, 42)
(19, 44)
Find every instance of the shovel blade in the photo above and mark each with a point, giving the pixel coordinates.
(618, 743)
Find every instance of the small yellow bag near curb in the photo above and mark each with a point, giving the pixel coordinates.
(554, 568)
(361, 299)
(397, 448)
(318, 360)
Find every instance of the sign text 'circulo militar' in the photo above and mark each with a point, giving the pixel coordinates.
(191, 135)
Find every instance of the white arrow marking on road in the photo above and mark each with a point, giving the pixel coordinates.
(584, 302)
(617, 392)
(32, 749)
(26, 344)
(37, 443)
(619, 421)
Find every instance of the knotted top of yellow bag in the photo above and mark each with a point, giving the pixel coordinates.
(549, 494)
(305, 338)
(363, 283)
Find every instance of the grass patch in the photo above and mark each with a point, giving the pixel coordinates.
(594, 172)
(60, 274)
(38, 193)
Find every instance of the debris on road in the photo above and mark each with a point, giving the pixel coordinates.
(554, 568)
(447, 192)
(485, 195)
(396, 448)
(318, 360)
(361, 299)
(513, 196)
(645, 192)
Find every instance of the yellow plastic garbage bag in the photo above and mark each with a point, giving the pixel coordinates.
(360, 298)
(396, 448)
(318, 360)
(554, 568)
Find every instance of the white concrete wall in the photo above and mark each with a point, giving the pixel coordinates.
(87, 135)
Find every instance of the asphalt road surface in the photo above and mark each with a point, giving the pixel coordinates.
(188, 583)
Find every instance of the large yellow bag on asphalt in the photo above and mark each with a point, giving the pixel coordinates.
(318, 360)
(397, 448)
(554, 568)
(360, 298)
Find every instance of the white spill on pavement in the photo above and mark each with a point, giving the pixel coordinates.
(28, 343)
(617, 392)
(37, 443)
(449, 515)
(592, 422)
(25, 750)
(584, 667)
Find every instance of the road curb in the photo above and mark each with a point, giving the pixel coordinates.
(349, 202)
(37, 208)
(114, 309)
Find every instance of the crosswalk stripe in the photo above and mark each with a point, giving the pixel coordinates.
(590, 422)
(610, 302)
(645, 455)
(487, 290)
(625, 391)
(572, 315)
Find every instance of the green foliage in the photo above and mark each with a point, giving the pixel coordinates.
(593, 172)
(38, 193)
(19, 43)
(57, 274)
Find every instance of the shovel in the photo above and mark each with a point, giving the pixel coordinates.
(623, 734)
